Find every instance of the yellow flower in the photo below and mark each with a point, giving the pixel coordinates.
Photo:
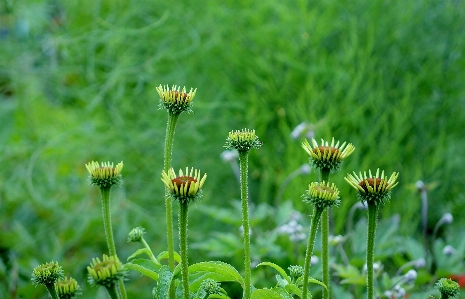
(371, 187)
(186, 186)
(322, 194)
(106, 174)
(175, 99)
(329, 156)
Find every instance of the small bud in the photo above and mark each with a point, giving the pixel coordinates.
(448, 288)
(411, 275)
(47, 273)
(210, 286)
(447, 218)
(335, 240)
(243, 140)
(67, 288)
(314, 260)
(420, 185)
(420, 263)
(448, 250)
(296, 271)
(229, 155)
(305, 168)
(136, 234)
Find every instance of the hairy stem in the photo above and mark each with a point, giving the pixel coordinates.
(311, 242)
(243, 161)
(52, 291)
(324, 239)
(170, 127)
(183, 248)
(105, 192)
(112, 292)
(372, 219)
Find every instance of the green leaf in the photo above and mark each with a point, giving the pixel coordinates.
(277, 268)
(283, 293)
(266, 294)
(310, 280)
(164, 255)
(293, 289)
(140, 252)
(163, 286)
(221, 271)
(144, 267)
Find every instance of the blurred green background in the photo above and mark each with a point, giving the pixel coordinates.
(78, 79)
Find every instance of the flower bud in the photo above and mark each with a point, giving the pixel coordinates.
(136, 234)
(47, 273)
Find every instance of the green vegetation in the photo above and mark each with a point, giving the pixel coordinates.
(78, 83)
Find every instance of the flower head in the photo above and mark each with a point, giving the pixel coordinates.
(105, 175)
(136, 234)
(67, 288)
(242, 140)
(47, 273)
(448, 288)
(175, 99)
(105, 273)
(186, 187)
(373, 188)
(326, 155)
(322, 195)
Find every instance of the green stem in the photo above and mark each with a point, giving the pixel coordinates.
(324, 239)
(183, 248)
(52, 291)
(112, 292)
(311, 242)
(170, 127)
(243, 161)
(372, 219)
(152, 257)
(105, 192)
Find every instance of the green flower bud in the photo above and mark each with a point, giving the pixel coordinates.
(243, 140)
(105, 175)
(47, 274)
(448, 288)
(322, 195)
(105, 273)
(67, 288)
(296, 271)
(176, 100)
(327, 156)
(136, 234)
(373, 188)
(210, 286)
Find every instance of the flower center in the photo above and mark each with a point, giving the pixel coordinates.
(371, 182)
(104, 265)
(179, 95)
(324, 189)
(322, 149)
(182, 180)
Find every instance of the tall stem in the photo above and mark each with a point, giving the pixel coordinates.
(105, 192)
(311, 242)
(112, 292)
(243, 161)
(183, 248)
(372, 219)
(52, 291)
(324, 239)
(170, 127)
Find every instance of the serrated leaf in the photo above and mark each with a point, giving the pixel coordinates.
(265, 294)
(222, 271)
(164, 281)
(277, 268)
(144, 267)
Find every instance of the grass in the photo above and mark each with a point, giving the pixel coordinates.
(79, 85)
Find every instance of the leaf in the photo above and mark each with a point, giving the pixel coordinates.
(284, 294)
(222, 271)
(140, 252)
(281, 281)
(310, 280)
(266, 294)
(145, 267)
(164, 255)
(163, 286)
(277, 268)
